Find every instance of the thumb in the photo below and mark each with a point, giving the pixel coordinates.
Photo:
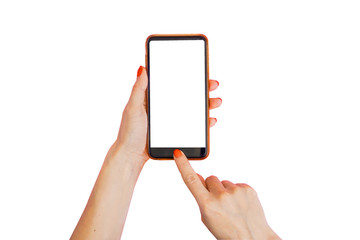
(137, 97)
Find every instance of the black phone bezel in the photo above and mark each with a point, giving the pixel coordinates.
(167, 153)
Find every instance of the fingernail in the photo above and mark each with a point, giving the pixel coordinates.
(139, 70)
(220, 99)
(177, 153)
(217, 82)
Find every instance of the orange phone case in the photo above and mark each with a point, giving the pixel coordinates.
(207, 90)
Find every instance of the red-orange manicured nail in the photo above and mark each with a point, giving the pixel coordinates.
(139, 70)
(220, 99)
(177, 153)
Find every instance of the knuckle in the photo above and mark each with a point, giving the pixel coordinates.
(138, 86)
(228, 184)
(203, 219)
(135, 86)
(191, 178)
(252, 192)
(236, 190)
(222, 195)
(245, 188)
(207, 205)
(211, 178)
(211, 207)
(231, 190)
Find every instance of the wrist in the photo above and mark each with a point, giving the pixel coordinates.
(246, 232)
(118, 152)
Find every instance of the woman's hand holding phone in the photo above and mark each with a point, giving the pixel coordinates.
(106, 210)
(228, 210)
(133, 129)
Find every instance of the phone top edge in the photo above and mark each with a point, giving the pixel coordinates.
(191, 36)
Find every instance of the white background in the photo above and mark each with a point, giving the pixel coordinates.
(288, 126)
(177, 93)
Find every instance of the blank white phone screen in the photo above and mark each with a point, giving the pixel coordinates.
(177, 93)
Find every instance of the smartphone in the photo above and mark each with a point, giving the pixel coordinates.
(178, 95)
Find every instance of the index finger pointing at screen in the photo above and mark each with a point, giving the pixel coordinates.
(189, 176)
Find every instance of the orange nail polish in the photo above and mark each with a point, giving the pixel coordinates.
(177, 153)
(139, 70)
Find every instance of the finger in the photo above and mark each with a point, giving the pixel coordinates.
(189, 176)
(213, 84)
(214, 185)
(228, 185)
(137, 97)
(202, 179)
(214, 102)
(212, 122)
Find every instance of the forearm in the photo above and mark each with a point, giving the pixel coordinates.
(105, 213)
